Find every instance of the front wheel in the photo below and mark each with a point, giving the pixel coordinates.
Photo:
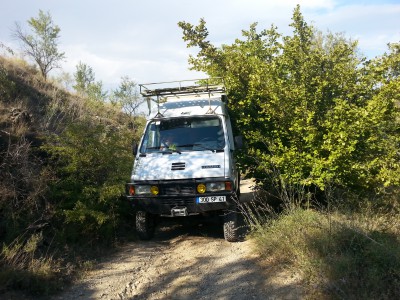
(231, 233)
(145, 225)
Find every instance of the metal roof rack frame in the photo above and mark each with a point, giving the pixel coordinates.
(209, 86)
(181, 87)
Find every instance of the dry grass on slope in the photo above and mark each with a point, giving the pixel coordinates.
(345, 256)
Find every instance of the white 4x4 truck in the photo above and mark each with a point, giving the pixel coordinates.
(184, 164)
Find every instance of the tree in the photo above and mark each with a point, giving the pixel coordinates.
(304, 104)
(85, 83)
(84, 76)
(127, 96)
(42, 45)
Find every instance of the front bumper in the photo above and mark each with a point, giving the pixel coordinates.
(179, 195)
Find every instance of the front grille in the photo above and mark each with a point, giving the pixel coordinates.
(178, 166)
(178, 201)
(178, 189)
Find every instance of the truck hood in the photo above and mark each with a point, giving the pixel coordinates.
(194, 164)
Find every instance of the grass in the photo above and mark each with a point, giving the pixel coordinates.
(24, 267)
(34, 269)
(340, 256)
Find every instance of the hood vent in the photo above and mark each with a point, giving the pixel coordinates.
(178, 166)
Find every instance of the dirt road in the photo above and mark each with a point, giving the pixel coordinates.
(185, 261)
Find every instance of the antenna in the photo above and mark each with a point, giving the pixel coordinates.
(209, 111)
(158, 115)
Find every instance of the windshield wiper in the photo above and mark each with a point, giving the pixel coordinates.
(168, 151)
(200, 146)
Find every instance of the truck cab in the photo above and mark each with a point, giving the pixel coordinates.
(184, 164)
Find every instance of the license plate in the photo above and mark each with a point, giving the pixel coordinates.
(211, 199)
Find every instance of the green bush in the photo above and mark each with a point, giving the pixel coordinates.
(313, 112)
(93, 163)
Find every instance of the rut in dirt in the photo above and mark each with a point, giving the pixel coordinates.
(189, 260)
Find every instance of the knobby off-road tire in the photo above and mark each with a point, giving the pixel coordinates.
(145, 225)
(231, 221)
(231, 233)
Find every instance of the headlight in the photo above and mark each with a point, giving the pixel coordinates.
(146, 189)
(215, 186)
(142, 189)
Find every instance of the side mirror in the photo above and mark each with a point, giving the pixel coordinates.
(239, 142)
(134, 148)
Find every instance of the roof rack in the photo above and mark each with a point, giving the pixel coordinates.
(183, 87)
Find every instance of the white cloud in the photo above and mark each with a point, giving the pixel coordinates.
(141, 39)
(372, 25)
(126, 60)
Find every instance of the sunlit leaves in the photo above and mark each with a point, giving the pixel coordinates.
(42, 45)
(308, 105)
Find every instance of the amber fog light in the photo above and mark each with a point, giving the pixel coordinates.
(154, 190)
(201, 188)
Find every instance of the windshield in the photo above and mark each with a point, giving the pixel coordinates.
(184, 134)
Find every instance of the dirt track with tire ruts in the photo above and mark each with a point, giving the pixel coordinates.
(189, 260)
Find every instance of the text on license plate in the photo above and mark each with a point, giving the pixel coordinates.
(211, 199)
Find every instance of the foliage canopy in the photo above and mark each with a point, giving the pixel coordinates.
(85, 83)
(42, 45)
(313, 112)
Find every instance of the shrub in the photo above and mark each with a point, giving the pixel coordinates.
(93, 163)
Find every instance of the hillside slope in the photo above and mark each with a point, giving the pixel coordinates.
(64, 160)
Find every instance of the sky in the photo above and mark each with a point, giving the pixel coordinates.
(141, 39)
